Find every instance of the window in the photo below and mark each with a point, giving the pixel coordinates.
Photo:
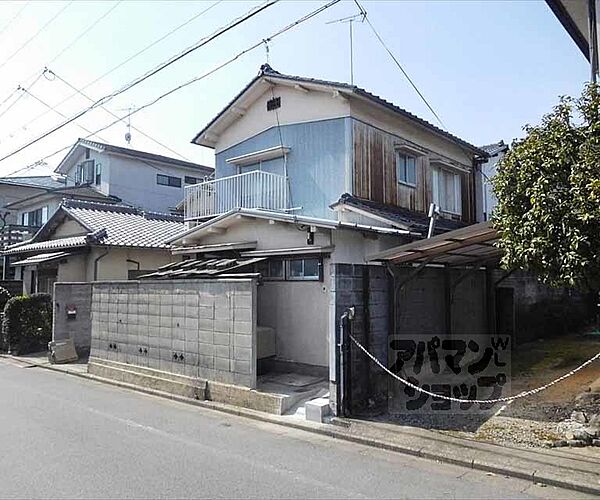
(168, 180)
(98, 174)
(303, 269)
(446, 191)
(406, 169)
(85, 173)
(271, 269)
(35, 218)
(191, 180)
(298, 269)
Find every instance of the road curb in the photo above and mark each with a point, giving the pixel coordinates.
(334, 431)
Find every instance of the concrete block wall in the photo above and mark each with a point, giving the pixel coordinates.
(196, 328)
(542, 311)
(78, 326)
(366, 288)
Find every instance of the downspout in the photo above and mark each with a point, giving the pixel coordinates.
(96, 260)
(593, 39)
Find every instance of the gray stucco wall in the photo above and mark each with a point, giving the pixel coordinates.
(316, 163)
(298, 312)
(197, 328)
(78, 326)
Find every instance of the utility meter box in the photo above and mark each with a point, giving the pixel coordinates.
(62, 351)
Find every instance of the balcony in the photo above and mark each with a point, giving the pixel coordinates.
(255, 189)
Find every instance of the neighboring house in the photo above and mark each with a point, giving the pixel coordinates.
(90, 241)
(140, 179)
(488, 199)
(15, 189)
(312, 177)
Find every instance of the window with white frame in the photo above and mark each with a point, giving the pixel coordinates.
(35, 218)
(406, 169)
(446, 190)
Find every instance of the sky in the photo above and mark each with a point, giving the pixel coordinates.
(486, 67)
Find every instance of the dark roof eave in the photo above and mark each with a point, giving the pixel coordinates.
(353, 89)
(557, 7)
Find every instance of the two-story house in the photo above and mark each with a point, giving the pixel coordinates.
(104, 174)
(312, 177)
(138, 178)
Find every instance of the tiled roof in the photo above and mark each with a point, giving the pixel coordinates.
(38, 181)
(494, 149)
(84, 191)
(417, 221)
(267, 71)
(107, 225)
(58, 244)
(134, 153)
(125, 226)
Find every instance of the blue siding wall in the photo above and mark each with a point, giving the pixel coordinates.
(316, 163)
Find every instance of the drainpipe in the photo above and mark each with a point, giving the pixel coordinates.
(593, 39)
(96, 260)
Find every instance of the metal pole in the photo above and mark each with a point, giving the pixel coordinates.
(593, 39)
(351, 55)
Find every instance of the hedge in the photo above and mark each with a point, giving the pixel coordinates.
(27, 324)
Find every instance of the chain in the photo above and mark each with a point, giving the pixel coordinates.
(481, 401)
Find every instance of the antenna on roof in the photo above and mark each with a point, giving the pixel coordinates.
(267, 55)
(129, 110)
(350, 20)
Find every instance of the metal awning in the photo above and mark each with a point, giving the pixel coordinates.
(208, 268)
(470, 245)
(41, 258)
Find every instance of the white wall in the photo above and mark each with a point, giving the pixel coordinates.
(296, 107)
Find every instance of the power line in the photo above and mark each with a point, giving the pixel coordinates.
(20, 96)
(67, 47)
(116, 116)
(130, 58)
(35, 35)
(414, 86)
(84, 32)
(14, 18)
(137, 81)
(60, 114)
(290, 26)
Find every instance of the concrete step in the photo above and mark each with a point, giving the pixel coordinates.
(190, 387)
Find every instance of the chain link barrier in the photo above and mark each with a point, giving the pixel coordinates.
(480, 401)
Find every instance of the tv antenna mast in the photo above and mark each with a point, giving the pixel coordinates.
(129, 110)
(350, 21)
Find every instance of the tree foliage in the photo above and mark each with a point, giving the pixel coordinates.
(548, 189)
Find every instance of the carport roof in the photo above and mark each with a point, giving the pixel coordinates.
(470, 245)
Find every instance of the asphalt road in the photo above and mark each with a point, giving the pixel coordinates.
(62, 436)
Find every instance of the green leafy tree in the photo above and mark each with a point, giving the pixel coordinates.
(548, 189)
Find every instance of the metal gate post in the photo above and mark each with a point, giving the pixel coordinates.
(344, 396)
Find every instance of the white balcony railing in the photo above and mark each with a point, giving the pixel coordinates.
(254, 189)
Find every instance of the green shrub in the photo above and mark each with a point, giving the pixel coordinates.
(27, 324)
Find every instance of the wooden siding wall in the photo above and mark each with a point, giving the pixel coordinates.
(374, 174)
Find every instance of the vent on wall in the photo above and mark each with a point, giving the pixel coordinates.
(273, 103)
